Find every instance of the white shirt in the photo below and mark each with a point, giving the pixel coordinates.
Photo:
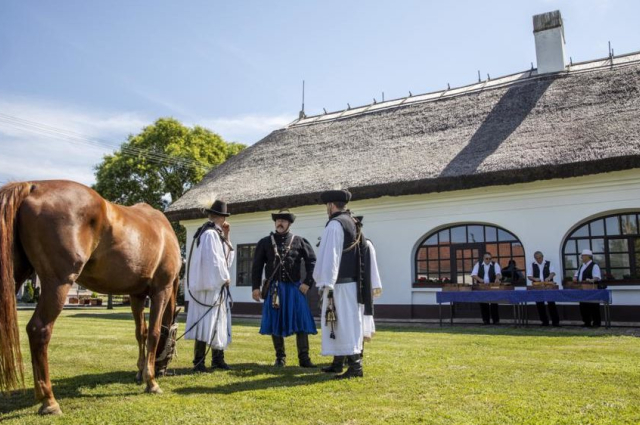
(376, 283)
(595, 272)
(210, 263)
(541, 269)
(476, 270)
(329, 255)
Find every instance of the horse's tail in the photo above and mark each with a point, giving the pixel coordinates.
(11, 369)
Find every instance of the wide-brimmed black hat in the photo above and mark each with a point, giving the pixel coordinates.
(284, 214)
(335, 196)
(218, 208)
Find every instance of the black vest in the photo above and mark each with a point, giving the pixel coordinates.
(545, 270)
(349, 260)
(492, 271)
(587, 273)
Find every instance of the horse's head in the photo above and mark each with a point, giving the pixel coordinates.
(167, 349)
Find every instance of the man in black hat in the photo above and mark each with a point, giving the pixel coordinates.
(207, 289)
(337, 365)
(285, 311)
(342, 277)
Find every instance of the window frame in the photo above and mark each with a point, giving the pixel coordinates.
(422, 259)
(241, 263)
(630, 238)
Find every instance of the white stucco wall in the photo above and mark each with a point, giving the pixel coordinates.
(540, 214)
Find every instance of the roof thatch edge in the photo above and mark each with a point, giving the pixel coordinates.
(431, 185)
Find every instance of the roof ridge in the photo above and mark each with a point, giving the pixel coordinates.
(499, 82)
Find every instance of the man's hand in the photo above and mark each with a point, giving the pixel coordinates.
(256, 295)
(227, 283)
(377, 292)
(304, 288)
(226, 227)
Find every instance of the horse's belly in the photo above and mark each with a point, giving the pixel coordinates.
(115, 281)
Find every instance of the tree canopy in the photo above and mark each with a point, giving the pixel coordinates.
(167, 157)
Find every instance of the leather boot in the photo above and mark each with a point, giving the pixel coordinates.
(199, 351)
(217, 360)
(281, 357)
(302, 341)
(336, 366)
(355, 368)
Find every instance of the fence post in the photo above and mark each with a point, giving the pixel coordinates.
(110, 302)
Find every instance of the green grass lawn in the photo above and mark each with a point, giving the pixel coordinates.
(413, 374)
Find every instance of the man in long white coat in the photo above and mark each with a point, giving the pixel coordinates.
(207, 289)
(371, 263)
(341, 276)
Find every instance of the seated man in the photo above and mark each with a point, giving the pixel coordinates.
(542, 271)
(484, 273)
(589, 272)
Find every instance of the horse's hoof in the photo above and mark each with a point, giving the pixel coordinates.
(52, 409)
(154, 390)
(139, 378)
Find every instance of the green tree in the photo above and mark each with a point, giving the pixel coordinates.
(165, 158)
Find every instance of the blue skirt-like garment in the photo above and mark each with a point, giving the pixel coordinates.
(293, 316)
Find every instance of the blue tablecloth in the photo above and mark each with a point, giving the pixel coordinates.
(517, 297)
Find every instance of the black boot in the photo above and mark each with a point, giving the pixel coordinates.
(336, 366)
(355, 368)
(302, 341)
(281, 356)
(217, 360)
(199, 351)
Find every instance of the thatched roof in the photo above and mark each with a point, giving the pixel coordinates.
(514, 129)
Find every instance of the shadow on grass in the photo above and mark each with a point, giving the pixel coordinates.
(247, 370)
(509, 330)
(77, 386)
(287, 377)
(68, 388)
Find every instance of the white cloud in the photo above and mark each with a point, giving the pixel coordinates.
(34, 150)
(246, 129)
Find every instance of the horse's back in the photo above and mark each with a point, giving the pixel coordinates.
(118, 249)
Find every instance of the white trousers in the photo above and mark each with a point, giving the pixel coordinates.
(204, 330)
(349, 328)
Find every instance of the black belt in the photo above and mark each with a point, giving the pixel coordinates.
(345, 280)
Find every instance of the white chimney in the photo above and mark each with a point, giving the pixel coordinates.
(549, 34)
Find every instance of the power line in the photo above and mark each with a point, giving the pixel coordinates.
(72, 138)
(77, 138)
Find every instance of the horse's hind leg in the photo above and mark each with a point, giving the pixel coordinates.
(39, 330)
(159, 300)
(137, 307)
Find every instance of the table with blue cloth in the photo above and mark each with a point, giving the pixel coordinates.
(519, 299)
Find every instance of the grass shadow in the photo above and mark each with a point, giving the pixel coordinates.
(289, 378)
(509, 330)
(68, 388)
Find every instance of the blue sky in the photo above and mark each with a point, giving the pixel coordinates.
(105, 69)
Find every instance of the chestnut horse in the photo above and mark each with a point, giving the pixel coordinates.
(67, 233)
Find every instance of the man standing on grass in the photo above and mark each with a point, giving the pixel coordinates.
(207, 290)
(346, 288)
(369, 327)
(285, 310)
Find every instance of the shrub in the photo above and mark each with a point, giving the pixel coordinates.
(27, 296)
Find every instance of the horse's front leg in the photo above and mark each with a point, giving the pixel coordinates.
(159, 302)
(137, 307)
(39, 330)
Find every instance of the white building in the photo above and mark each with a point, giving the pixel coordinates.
(545, 161)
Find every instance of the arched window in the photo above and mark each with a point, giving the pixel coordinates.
(449, 254)
(615, 243)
